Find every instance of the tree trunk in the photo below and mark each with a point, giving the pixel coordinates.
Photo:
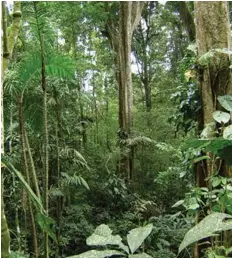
(187, 20)
(212, 32)
(9, 42)
(120, 38)
(45, 125)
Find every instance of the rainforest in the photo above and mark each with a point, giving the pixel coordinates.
(116, 129)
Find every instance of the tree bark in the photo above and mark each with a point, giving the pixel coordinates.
(214, 79)
(45, 125)
(121, 37)
(187, 20)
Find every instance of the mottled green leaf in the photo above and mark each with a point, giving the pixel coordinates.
(142, 255)
(136, 236)
(221, 117)
(227, 133)
(211, 224)
(97, 254)
(226, 102)
(180, 202)
(102, 236)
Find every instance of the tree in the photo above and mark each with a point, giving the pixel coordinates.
(9, 41)
(212, 37)
(120, 33)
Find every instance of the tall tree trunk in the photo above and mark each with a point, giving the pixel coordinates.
(45, 125)
(120, 38)
(212, 32)
(9, 41)
(187, 20)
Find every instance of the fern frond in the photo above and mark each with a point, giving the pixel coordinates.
(76, 155)
(138, 140)
(56, 192)
(73, 180)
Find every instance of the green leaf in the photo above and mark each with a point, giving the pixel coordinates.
(193, 206)
(180, 202)
(183, 173)
(136, 236)
(193, 48)
(205, 59)
(97, 254)
(211, 224)
(215, 145)
(226, 102)
(200, 158)
(102, 236)
(84, 183)
(221, 117)
(30, 192)
(209, 131)
(216, 181)
(45, 223)
(142, 255)
(224, 51)
(195, 144)
(227, 133)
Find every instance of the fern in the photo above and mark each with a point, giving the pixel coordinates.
(56, 192)
(73, 180)
(76, 156)
(138, 140)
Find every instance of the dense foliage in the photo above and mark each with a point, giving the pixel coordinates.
(63, 145)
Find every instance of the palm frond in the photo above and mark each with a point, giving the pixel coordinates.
(60, 66)
(56, 66)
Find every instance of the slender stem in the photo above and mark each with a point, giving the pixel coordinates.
(45, 122)
(26, 169)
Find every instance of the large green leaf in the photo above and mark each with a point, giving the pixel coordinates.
(226, 102)
(142, 255)
(214, 145)
(136, 236)
(221, 117)
(30, 192)
(97, 254)
(211, 224)
(102, 236)
(45, 223)
(227, 133)
(43, 220)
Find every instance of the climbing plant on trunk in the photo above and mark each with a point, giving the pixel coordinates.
(214, 78)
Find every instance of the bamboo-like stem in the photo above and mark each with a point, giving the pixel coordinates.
(32, 166)
(26, 169)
